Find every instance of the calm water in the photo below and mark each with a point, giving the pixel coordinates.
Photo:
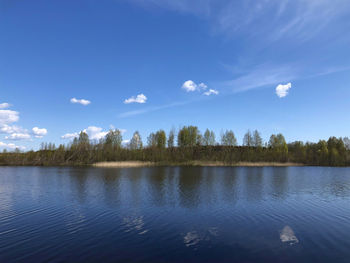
(175, 214)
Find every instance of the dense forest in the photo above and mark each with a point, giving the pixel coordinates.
(184, 147)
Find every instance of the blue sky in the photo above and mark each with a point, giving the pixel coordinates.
(67, 66)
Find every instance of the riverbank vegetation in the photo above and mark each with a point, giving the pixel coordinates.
(186, 146)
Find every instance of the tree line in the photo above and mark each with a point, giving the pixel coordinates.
(185, 146)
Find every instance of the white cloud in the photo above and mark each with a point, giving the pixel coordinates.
(122, 131)
(4, 105)
(18, 133)
(39, 132)
(10, 129)
(8, 116)
(282, 90)
(70, 135)
(190, 86)
(15, 132)
(11, 146)
(124, 142)
(80, 101)
(95, 133)
(202, 86)
(18, 136)
(138, 99)
(210, 92)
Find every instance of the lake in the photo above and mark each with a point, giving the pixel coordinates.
(175, 214)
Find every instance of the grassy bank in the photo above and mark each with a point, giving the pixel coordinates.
(124, 164)
(127, 164)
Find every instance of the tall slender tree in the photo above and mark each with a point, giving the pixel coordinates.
(257, 140)
(228, 138)
(209, 138)
(113, 138)
(152, 140)
(248, 139)
(135, 142)
(188, 136)
(346, 141)
(161, 139)
(171, 138)
(279, 146)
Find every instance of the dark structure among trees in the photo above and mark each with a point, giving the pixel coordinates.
(191, 146)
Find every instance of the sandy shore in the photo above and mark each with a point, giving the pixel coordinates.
(126, 164)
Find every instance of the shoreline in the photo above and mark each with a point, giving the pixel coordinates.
(131, 164)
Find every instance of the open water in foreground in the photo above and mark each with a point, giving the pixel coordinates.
(175, 214)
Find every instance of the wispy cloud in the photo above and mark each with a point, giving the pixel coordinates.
(197, 7)
(270, 27)
(260, 76)
(270, 19)
(274, 20)
(151, 109)
(80, 101)
(264, 75)
(267, 75)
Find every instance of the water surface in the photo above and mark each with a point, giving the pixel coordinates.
(175, 214)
